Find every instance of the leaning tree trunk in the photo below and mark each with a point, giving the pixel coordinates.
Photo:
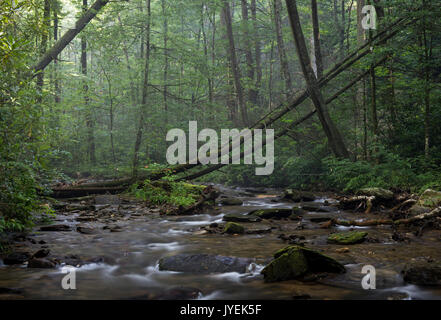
(53, 52)
(331, 131)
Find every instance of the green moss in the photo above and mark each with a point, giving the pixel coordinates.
(290, 264)
(293, 262)
(347, 237)
(167, 192)
(430, 198)
(234, 228)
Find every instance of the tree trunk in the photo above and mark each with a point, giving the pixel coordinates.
(166, 65)
(57, 92)
(43, 45)
(334, 137)
(143, 108)
(277, 4)
(316, 36)
(257, 50)
(252, 94)
(234, 64)
(89, 115)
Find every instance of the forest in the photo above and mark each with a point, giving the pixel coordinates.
(90, 89)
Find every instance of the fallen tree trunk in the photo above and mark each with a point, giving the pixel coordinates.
(72, 192)
(375, 222)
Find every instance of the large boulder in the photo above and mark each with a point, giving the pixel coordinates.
(274, 213)
(429, 200)
(295, 262)
(298, 196)
(204, 263)
(234, 228)
(379, 193)
(237, 217)
(423, 273)
(346, 238)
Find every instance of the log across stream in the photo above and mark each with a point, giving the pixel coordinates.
(118, 244)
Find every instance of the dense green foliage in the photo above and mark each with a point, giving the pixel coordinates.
(83, 120)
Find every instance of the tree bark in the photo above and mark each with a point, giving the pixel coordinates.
(335, 140)
(257, 50)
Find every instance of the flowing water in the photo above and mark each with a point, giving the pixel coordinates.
(146, 237)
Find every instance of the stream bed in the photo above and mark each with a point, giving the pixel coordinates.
(128, 268)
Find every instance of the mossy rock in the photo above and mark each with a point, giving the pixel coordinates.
(237, 217)
(231, 202)
(234, 228)
(379, 193)
(430, 198)
(276, 213)
(298, 196)
(352, 237)
(294, 262)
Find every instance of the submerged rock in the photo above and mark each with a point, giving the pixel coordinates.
(295, 262)
(204, 263)
(352, 237)
(274, 213)
(298, 196)
(423, 273)
(231, 202)
(379, 193)
(237, 217)
(234, 228)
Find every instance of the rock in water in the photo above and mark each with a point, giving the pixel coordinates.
(379, 193)
(298, 196)
(204, 263)
(294, 262)
(41, 263)
(56, 227)
(237, 217)
(234, 228)
(423, 273)
(345, 238)
(16, 258)
(231, 202)
(276, 213)
(41, 253)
